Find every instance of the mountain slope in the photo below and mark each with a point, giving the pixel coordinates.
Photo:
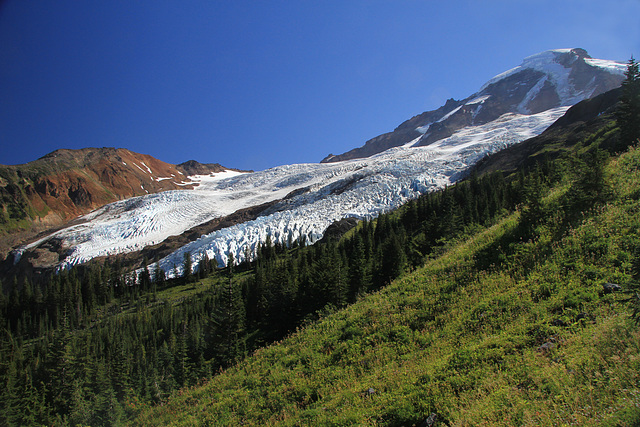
(65, 184)
(550, 79)
(497, 330)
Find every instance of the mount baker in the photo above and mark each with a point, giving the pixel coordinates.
(224, 212)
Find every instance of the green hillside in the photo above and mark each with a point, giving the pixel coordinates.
(506, 299)
(507, 325)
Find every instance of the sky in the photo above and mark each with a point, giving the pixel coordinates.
(256, 84)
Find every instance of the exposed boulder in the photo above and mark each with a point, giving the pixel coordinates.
(611, 287)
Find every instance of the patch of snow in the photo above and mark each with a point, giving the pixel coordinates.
(424, 129)
(565, 50)
(203, 180)
(17, 254)
(449, 114)
(478, 100)
(412, 142)
(162, 178)
(611, 66)
(533, 92)
(476, 111)
(138, 167)
(150, 171)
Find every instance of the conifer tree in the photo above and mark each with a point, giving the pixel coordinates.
(228, 320)
(144, 279)
(188, 267)
(392, 259)
(159, 276)
(628, 113)
(359, 277)
(3, 303)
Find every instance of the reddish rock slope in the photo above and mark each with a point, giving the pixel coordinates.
(65, 184)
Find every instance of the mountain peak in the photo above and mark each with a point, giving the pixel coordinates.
(545, 80)
(555, 63)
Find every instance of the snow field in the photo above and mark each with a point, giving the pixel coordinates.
(327, 192)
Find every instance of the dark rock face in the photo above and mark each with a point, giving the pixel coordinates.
(403, 134)
(193, 167)
(339, 228)
(543, 81)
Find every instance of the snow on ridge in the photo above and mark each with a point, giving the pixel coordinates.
(423, 129)
(615, 67)
(412, 142)
(449, 114)
(136, 165)
(499, 77)
(478, 100)
(201, 181)
(149, 170)
(558, 74)
(545, 63)
(533, 92)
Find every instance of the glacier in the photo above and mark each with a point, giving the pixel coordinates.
(361, 188)
(311, 197)
(558, 74)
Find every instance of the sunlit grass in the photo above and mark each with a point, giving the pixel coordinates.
(497, 346)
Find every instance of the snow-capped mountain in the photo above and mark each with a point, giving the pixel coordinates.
(546, 80)
(307, 198)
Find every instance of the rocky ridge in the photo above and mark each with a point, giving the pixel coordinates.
(57, 188)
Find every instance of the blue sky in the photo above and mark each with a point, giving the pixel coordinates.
(255, 84)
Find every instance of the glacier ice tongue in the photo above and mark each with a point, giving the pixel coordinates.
(312, 196)
(368, 187)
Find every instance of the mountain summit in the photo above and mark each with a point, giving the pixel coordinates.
(550, 79)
